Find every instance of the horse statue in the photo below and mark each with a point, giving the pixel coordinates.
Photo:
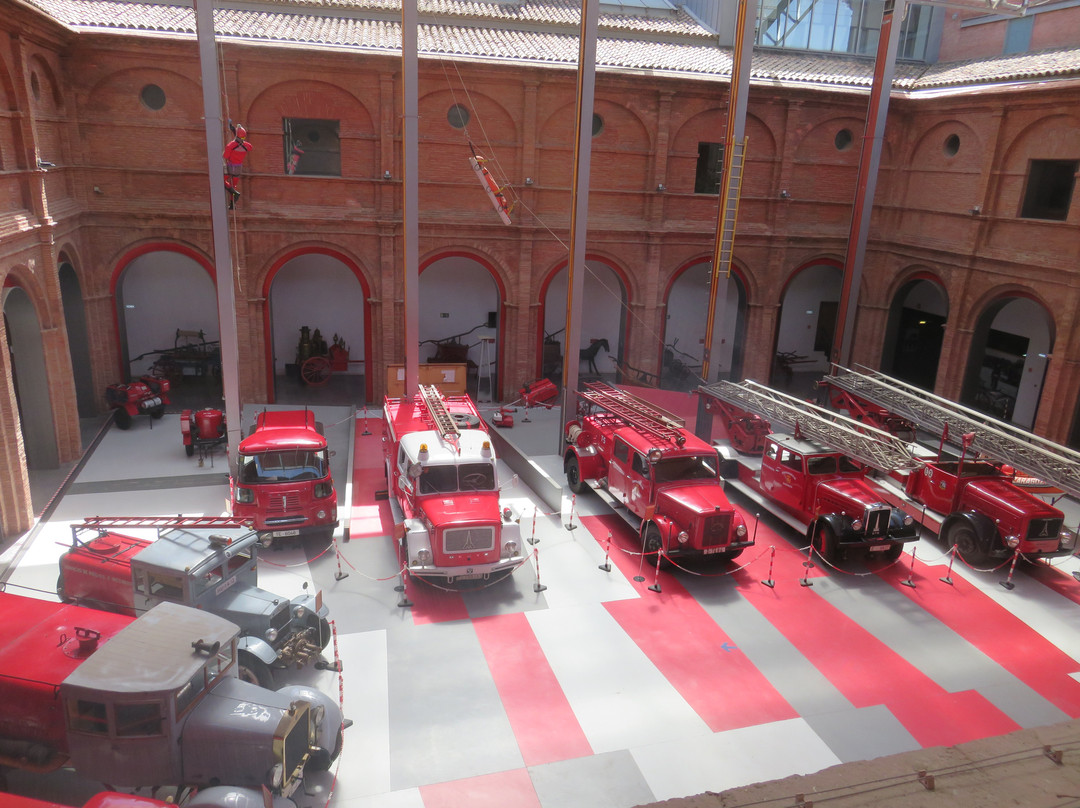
(589, 354)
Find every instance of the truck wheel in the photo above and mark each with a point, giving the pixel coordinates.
(653, 542)
(190, 450)
(824, 541)
(573, 474)
(962, 536)
(254, 670)
(123, 418)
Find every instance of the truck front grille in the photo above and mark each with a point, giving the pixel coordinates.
(1043, 529)
(715, 530)
(280, 618)
(469, 539)
(877, 521)
(283, 502)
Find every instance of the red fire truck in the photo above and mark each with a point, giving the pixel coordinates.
(283, 483)
(214, 797)
(441, 472)
(661, 478)
(972, 501)
(813, 479)
(151, 701)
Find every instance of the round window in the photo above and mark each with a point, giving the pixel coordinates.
(952, 145)
(152, 97)
(457, 116)
(843, 140)
(597, 124)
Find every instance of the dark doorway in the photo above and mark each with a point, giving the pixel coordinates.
(918, 347)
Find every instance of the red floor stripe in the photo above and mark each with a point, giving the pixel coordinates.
(859, 665)
(995, 631)
(510, 788)
(1053, 578)
(543, 722)
(685, 643)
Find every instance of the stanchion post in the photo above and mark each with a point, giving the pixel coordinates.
(769, 582)
(948, 574)
(606, 566)
(808, 564)
(1008, 582)
(339, 575)
(656, 577)
(366, 431)
(532, 539)
(403, 601)
(537, 586)
(573, 502)
(911, 571)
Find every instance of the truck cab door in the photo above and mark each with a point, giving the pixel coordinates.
(790, 477)
(639, 482)
(618, 470)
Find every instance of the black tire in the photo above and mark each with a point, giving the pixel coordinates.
(573, 474)
(190, 450)
(463, 420)
(824, 541)
(963, 537)
(652, 542)
(321, 759)
(254, 670)
(123, 418)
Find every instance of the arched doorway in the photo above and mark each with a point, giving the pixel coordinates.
(687, 307)
(30, 379)
(166, 300)
(1010, 345)
(318, 290)
(461, 319)
(78, 339)
(914, 332)
(604, 303)
(805, 329)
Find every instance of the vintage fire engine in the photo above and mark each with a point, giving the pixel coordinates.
(661, 478)
(444, 491)
(150, 701)
(214, 797)
(202, 430)
(814, 477)
(283, 483)
(208, 562)
(972, 502)
(148, 395)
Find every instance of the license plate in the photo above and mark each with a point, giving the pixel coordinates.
(471, 577)
(877, 548)
(709, 550)
(280, 534)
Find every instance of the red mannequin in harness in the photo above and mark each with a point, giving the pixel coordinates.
(235, 152)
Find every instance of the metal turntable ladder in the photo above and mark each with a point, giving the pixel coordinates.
(641, 415)
(997, 440)
(162, 522)
(440, 415)
(874, 447)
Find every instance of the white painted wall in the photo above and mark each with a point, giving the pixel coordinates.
(1026, 318)
(456, 294)
(687, 308)
(160, 293)
(28, 368)
(801, 306)
(318, 291)
(601, 309)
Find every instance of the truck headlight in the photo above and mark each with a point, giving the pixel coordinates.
(320, 514)
(271, 634)
(245, 496)
(276, 776)
(510, 549)
(683, 537)
(740, 531)
(1066, 539)
(323, 490)
(1012, 542)
(423, 557)
(856, 524)
(299, 612)
(908, 519)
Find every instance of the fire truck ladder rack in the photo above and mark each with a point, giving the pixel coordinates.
(995, 439)
(642, 416)
(436, 407)
(874, 447)
(159, 522)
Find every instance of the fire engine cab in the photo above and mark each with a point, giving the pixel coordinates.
(657, 475)
(283, 483)
(444, 492)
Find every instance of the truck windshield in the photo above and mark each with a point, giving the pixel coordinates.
(447, 479)
(292, 465)
(696, 467)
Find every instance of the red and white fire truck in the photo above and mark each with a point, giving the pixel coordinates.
(452, 526)
(658, 476)
(283, 483)
(150, 701)
(813, 477)
(973, 501)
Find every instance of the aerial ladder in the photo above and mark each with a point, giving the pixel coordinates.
(999, 441)
(646, 418)
(866, 444)
(441, 417)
